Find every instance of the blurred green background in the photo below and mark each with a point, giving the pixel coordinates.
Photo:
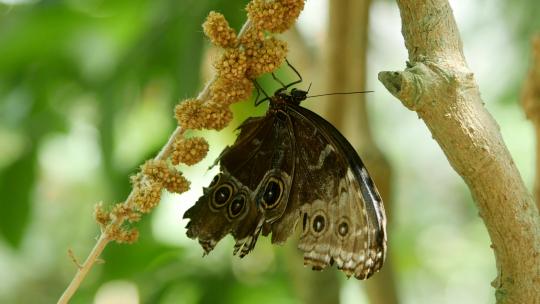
(87, 89)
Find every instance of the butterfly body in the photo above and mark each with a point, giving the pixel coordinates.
(292, 168)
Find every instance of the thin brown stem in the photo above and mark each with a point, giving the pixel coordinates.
(84, 269)
(382, 288)
(346, 69)
(104, 240)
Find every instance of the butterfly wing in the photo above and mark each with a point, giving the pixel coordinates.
(288, 166)
(342, 214)
(252, 187)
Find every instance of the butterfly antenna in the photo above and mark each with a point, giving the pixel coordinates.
(340, 93)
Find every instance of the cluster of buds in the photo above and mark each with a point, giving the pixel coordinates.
(154, 176)
(245, 56)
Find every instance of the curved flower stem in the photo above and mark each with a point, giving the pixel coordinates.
(85, 268)
(104, 240)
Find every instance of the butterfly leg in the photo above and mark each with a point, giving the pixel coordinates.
(296, 72)
(258, 95)
(277, 79)
(260, 89)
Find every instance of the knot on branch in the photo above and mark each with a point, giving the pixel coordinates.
(423, 83)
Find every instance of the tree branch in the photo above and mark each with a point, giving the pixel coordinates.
(439, 86)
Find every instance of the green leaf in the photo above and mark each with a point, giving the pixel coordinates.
(16, 184)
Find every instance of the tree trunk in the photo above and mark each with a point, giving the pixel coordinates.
(439, 86)
(346, 67)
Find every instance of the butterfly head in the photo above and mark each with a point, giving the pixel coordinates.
(282, 96)
(297, 95)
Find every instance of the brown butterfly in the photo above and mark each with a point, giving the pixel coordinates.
(293, 167)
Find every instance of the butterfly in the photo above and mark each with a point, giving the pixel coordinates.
(293, 168)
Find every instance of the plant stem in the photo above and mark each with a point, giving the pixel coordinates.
(84, 269)
(103, 240)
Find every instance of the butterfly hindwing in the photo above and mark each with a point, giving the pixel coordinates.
(361, 218)
(261, 164)
(335, 200)
(225, 207)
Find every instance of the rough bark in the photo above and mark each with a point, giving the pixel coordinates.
(440, 88)
(531, 105)
(346, 67)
